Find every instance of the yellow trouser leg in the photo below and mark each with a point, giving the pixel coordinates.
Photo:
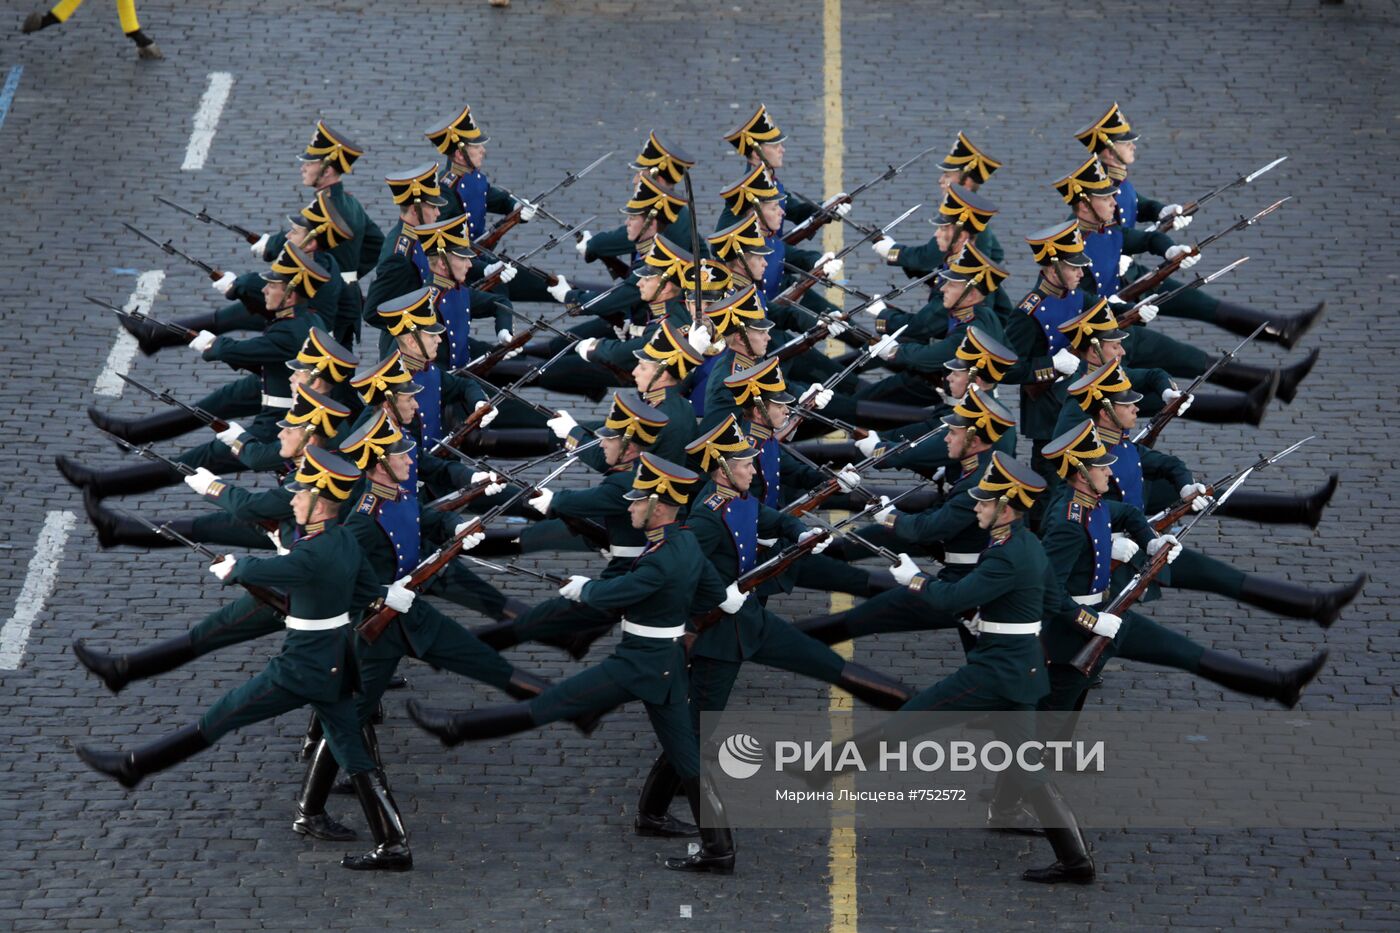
(64, 9)
(126, 9)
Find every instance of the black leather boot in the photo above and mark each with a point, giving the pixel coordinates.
(1300, 602)
(130, 767)
(498, 635)
(1282, 329)
(1007, 813)
(1073, 864)
(1248, 408)
(1278, 509)
(828, 629)
(345, 787)
(872, 687)
(36, 21)
(119, 670)
(152, 339)
(837, 452)
(473, 725)
(312, 819)
(1243, 376)
(500, 542)
(716, 853)
(525, 686)
(654, 806)
(311, 738)
(391, 851)
(114, 528)
(162, 426)
(883, 416)
(1284, 686)
(511, 443)
(127, 480)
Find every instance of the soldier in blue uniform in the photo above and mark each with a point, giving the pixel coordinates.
(325, 575)
(669, 581)
(728, 522)
(1079, 536)
(759, 140)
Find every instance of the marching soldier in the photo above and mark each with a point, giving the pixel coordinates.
(670, 580)
(446, 244)
(146, 47)
(759, 140)
(325, 575)
(466, 188)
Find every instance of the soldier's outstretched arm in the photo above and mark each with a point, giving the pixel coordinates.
(991, 578)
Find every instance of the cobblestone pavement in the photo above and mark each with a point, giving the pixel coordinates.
(535, 833)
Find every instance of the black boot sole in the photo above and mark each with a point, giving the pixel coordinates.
(307, 829)
(1291, 376)
(669, 828)
(89, 660)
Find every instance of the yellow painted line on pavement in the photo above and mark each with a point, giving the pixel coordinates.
(841, 850)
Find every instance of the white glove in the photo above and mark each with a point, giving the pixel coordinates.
(876, 307)
(821, 545)
(883, 247)
(559, 290)
(399, 597)
(1124, 261)
(490, 416)
(200, 481)
(223, 567)
(574, 588)
(884, 512)
(1201, 501)
(527, 211)
(866, 445)
(202, 341)
(842, 209)
(1124, 548)
(905, 570)
(832, 267)
(1065, 362)
(885, 348)
(495, 485)
(259, 249)
(231, 433)
(847, 478)
(582, 244)
(699, 339)
(561, 424)
(471, 540)
(734, 599)
(224, 283)
(1107, 624)
(835, 327)
(1147, 310)
(1181, 249)
(506, 270)
(585, 347)
(818, 395)
(540, 501)
(1179, 221)
(1156, 544)
(1171, 395)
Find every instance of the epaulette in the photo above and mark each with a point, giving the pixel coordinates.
(367, 504)
(449, 178)
(403, 244)
(1030, 303)
(1076, 513)
(715, 502)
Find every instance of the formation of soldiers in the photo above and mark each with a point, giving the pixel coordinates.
(375, 410)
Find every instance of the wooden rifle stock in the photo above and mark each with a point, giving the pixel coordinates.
(757, 576)
(490, 238)
(1088, 657)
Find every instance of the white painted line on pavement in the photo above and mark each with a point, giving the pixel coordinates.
(109, 381)
(38, 584)
(206, 120)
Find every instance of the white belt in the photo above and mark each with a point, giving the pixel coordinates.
(1008, 628)
(273, 401)
(625, 550)
(951, 558)
(652, 631)
(318, 625)
(349, 277)
(1089, 599)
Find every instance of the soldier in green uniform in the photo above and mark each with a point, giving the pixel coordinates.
(1010, 589)
(325, 575)
(669, 581)
(1106, 396)
(1078, 532)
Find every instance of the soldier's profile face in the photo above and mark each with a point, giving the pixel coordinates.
(405, 407)
(639, 227)
(290, 442)
(1125, 152)
(957, 383)
(1127, 415)
(986, 512)
(301, 506)
(459, 267)
(1103, 207)
(645, 373)
(648, 286)
(476, 154)
(1098, 478)
(1069, 276)
(274, 295)
(309, 171)
(773, 153)
(612, 450)
(770, 214)
(742, 471)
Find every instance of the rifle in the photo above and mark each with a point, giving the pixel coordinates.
(373, 626)
(805, 341)
(797, 289)
(802, 408)
(202, 215)
(614, 264)
(474, 417)
(827, 212)
(213, 273)
(556, 454)
(487, 361)
(215, 424)
(1179, 509)
(698, 311)
(1088, 657)
(1188, 209)
(142, 317)
(550, 578)
(1146, 284)
(851, 290)
(273, 600)
(592, 532)
(1134, 314)
(493, 236)
(1147, 436)
(490, 281)
(814, 498)
(147, 452)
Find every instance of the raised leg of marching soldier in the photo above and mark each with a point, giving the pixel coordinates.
(1194, 570)
(237, 399)
(1146, 348)
(126, 12)
(1268, 508)
(113, 529)
(1197, 304)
